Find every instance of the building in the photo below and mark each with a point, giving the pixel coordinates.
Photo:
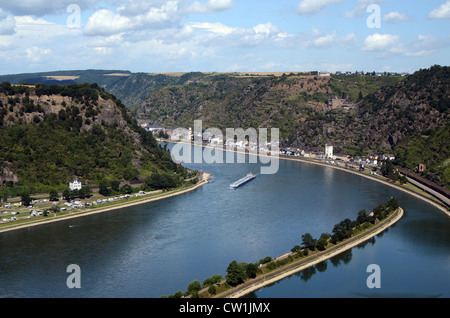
(75, 184)
(421, 167)
(343, 103)
(329, 151)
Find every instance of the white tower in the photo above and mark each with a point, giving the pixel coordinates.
(329, 151)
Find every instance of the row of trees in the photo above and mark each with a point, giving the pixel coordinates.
(346, 228)
(238, 273)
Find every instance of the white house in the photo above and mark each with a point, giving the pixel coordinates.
(75, 184)
(329, 151)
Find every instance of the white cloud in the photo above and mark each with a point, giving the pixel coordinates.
(217, 27)
(361, 7)
(320, 40)
(35, 54)
(211, 6)
(221, 35)
(43, 7)
(314, 6)
(425, 45)
(325, 40)
(7, 23)
(388, 44)
(380, 42)
(394, 17)
(106, 22)
(443, 12)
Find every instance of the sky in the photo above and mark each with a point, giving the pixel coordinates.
(158, 36)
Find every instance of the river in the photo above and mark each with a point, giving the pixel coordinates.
(158, 248)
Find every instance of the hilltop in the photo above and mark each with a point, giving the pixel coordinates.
(359, 113)
(49, 134)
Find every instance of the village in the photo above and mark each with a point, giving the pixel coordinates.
(371, 161)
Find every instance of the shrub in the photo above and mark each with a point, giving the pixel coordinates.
(212, 290)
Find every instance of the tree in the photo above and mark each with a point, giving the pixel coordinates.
(322, 244)
(85, 191)
(53, 195)
(5, 194)
(194, 287)
(392, 204)
(126, 189)
(115, 186)
(308, 241)
(251, 270)
(362, 217)
(67, 195)
(235, 274)
(26, 198)
(103, 189)
(212, 290)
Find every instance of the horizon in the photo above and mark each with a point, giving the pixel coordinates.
(252, 73)
(223, 36)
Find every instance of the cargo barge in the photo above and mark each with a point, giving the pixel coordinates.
(250, 176)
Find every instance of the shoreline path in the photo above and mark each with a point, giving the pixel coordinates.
(169, 194)
(301, 264)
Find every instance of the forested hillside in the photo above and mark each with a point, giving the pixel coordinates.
(389, 114)
(237, 100)
(49, 134)
(404, 115)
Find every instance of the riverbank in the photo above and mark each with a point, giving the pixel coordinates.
(303, 263)
(119, 205)
(377, 178)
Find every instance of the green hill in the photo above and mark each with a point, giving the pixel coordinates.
(49, 134)
(388, 114)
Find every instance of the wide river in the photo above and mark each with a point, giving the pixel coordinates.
(158, 248)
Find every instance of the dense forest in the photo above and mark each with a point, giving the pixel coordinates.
(403, 115)
(50, 133)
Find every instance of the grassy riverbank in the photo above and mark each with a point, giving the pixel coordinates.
(25, 220)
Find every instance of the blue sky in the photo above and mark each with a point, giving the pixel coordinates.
(224, 35)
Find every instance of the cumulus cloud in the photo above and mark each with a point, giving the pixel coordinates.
(361, 8)
(443, 12)
(388, 44)
(380, 42)
(42, 7)
(394, 17)
(221, 34)
(211, 6)
(314, 6)
(320, 40)
(7, 23)
(217, 27)
(105, 22)
(425, 44)
(35, 54)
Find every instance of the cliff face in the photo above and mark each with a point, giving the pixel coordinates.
(50, 133)
(383, 111)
